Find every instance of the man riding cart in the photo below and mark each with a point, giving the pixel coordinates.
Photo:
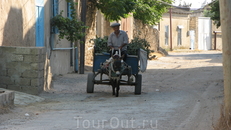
(116, 64)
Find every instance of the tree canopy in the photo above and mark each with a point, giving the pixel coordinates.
(148, 11)
(114, 10)
(214, 13)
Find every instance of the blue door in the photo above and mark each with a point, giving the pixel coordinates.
(39, 23)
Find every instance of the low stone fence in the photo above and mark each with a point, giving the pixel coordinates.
(22, 68)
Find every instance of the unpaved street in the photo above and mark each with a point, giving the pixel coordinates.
(182, 91)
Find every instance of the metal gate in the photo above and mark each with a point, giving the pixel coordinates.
(204, 33)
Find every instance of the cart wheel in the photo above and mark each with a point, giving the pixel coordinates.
(90, 83)
(138, 84)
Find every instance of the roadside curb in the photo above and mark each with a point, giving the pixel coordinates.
(6, 100)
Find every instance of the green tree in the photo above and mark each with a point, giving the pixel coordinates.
(114, 10)
(148, 11)
(214, 13)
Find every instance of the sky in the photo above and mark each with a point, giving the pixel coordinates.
(195, 3)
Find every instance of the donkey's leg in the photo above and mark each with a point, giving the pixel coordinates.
(113, 87)
(117, 87)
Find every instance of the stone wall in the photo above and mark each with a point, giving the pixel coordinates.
(148, 33)
(22, 68)
(90, 32)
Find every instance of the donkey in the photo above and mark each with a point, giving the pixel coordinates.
(116, 72)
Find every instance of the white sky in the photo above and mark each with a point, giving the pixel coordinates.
(195, 3)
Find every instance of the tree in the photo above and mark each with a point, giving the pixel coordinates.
(225, 13)
(114, 10)
(148, 11)
(214, 13)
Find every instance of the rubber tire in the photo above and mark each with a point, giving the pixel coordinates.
(90, 83)
(138, 85)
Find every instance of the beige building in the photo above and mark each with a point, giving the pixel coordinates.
(180, 23)
(190, 30)
(26, 23)
(17, 23)
(30, 51)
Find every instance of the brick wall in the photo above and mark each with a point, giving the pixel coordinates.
(22, 68)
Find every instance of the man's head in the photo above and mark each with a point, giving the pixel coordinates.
(115, 26)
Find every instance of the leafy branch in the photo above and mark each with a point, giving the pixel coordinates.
(114, 10)
(214, 13)
(69, 28)
(148, 11)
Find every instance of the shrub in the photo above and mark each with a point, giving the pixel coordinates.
(138, 43)
(100, 44)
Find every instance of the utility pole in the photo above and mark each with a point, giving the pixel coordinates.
(225, 17)
(82, 45)
(170, 17)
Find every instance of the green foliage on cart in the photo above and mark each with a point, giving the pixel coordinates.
(138, 43)
(133, 46)
(100, 44)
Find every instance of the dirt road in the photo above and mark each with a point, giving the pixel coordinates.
(183, 91)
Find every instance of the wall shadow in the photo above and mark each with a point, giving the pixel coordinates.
(14, 29)
(19, 31)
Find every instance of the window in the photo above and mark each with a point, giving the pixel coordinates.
(179, 36)
(55, 11)
(166, 34)
(69, 10)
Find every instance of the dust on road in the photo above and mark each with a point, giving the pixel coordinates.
(182, 91)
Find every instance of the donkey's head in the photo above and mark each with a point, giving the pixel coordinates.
(116, 62)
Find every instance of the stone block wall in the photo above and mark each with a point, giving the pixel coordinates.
(22, 68)
(148, 33)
